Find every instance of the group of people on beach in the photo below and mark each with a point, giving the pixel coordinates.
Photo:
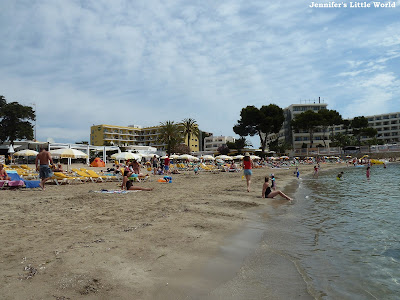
(268, 191)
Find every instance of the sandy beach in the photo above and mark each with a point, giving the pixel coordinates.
(72, 242)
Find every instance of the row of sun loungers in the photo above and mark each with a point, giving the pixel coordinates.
(22, 175)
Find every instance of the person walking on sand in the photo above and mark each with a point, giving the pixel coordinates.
(268, 193)
(166, 165)
(43, 161)
(154, 161)
(247, 166)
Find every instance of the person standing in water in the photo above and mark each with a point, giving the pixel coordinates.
(368, 171)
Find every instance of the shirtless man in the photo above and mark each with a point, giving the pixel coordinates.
(45, 173)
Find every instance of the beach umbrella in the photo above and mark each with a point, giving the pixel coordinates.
(11, 149)
(284, 157)
(150, 155)
(224, 157)
(255, 157)
(68, 153)
(186, 156)
(125, 156)
(208, 157)
(238, 156)
(174, 156)
(26, 152)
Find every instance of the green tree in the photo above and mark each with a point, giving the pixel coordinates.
(181, 149)
(329, 118)
(266, 120)
(190, 128)
(223, 150)
(308, 121)
(239, 144)
(279, 147)
(170, 134)
(15, 121)
(343, 140)
(361, 127)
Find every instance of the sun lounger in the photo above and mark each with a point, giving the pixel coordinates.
(85, 175)
(16, 181)
(206, 168)
(64, 178)
(93, 174)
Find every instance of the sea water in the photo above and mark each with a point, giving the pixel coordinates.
(344, 235)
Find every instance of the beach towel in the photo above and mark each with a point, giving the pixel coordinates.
(113, 191)
(27, 183)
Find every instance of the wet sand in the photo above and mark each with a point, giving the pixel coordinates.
(194, 238)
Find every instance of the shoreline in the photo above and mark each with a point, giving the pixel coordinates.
(226, 275)
(94, 245)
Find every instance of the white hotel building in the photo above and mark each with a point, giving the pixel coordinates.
(387, 125)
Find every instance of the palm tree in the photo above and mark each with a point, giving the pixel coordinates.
(170, 134)
(190, 128)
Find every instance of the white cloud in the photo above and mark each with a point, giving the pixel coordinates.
(125, 62)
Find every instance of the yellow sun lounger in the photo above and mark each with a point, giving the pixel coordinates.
(59, 176)
(85, 175)
(93, 174)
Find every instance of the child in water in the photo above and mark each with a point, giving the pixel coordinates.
(273, 182)
(268, 193)
(297, 173)
(368, 171)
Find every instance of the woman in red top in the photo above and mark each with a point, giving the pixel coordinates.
(247, 166)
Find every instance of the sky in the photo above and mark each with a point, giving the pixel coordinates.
(143, 62)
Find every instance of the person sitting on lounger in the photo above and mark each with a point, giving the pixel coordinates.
(127, 184)
(58, 168)
(135, 166)
(3, 173)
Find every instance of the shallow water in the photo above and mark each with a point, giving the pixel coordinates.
(345, 234)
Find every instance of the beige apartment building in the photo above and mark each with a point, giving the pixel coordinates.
(132, 135)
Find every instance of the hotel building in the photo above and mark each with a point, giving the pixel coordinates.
(132, 135)
(212, 143)
(296, 140)
(387, 126)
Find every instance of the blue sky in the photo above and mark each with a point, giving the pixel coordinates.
(146, 62)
